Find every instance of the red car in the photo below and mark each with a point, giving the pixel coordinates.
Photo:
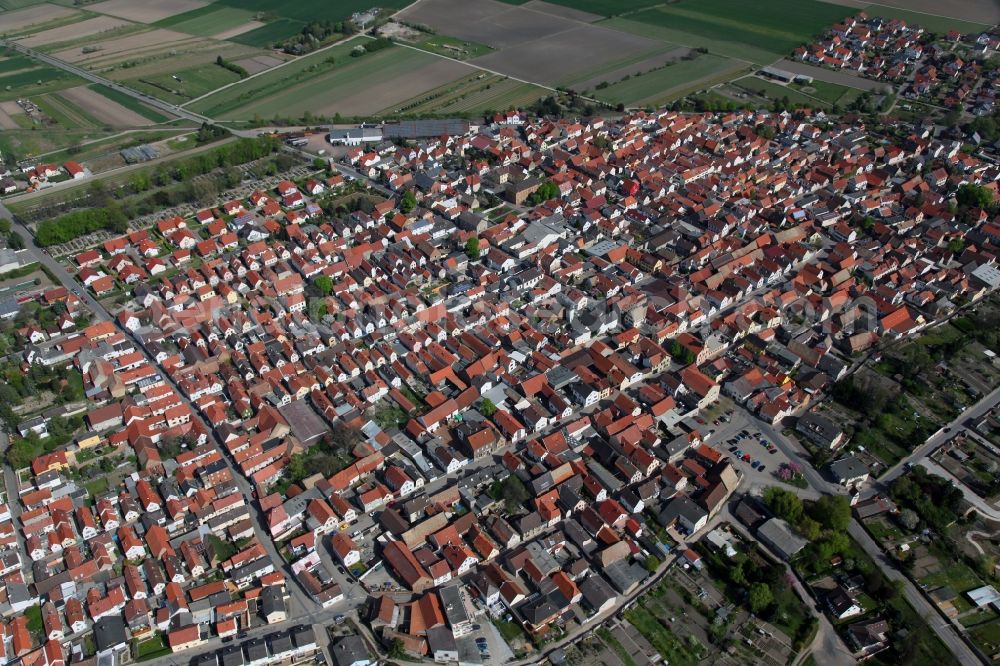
(746, 457)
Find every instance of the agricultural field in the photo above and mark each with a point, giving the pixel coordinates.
(935, 21)
(184, 85)
(543, 47)
(211, 20)
(38, 17)
(452, 48)
(670, 82)
(23, 77)
(349, 86)
(334, 82)
(757, 32)
(474, 94)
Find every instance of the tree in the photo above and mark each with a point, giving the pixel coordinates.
(472, 248)
(909, 519)
(324, 284)
(487, 408)
(408, 202)
(397, 649)
(784, 503)
(760, 597)
(547, 190)
(833, 512)
(974, 196)
(22, 453)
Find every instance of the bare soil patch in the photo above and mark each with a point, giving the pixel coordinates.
(555, 58)
(6, 122)
(143, 11)
(29, 16)
(259, 63)
(563, 11)
(238, 30)
(130, 45)
(546, 45)
(385, 93)
(74, 31)
(104, 109)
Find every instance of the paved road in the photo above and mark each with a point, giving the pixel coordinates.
(941, 436)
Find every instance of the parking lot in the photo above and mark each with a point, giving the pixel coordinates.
(740, 439)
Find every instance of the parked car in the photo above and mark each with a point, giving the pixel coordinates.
(746, 457)
(761, 468)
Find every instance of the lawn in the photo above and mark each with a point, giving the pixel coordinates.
(151, 648)
(130, 103)
(671, 648)
(193, 83)
(758, 32)
(669, 82)
(97, 487)
(207, 21)
(817, 93)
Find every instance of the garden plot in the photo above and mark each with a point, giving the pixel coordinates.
(143, 11)
(260, 63)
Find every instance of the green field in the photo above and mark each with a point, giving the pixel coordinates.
(290, 95)
(270, 33)
(207, 21)
(470, 95)
(926, 21)
(193, 83)
(602, 7)
(131, 103)
(36, 81)
(313, 10)
(758, 32)
(670, 82)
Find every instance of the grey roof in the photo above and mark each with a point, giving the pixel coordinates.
(306, 424)
(849, 467)
(109, 632)
(777, 534)
(349, 650)
(596, 591)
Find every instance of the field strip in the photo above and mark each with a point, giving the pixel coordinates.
(651, 33)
